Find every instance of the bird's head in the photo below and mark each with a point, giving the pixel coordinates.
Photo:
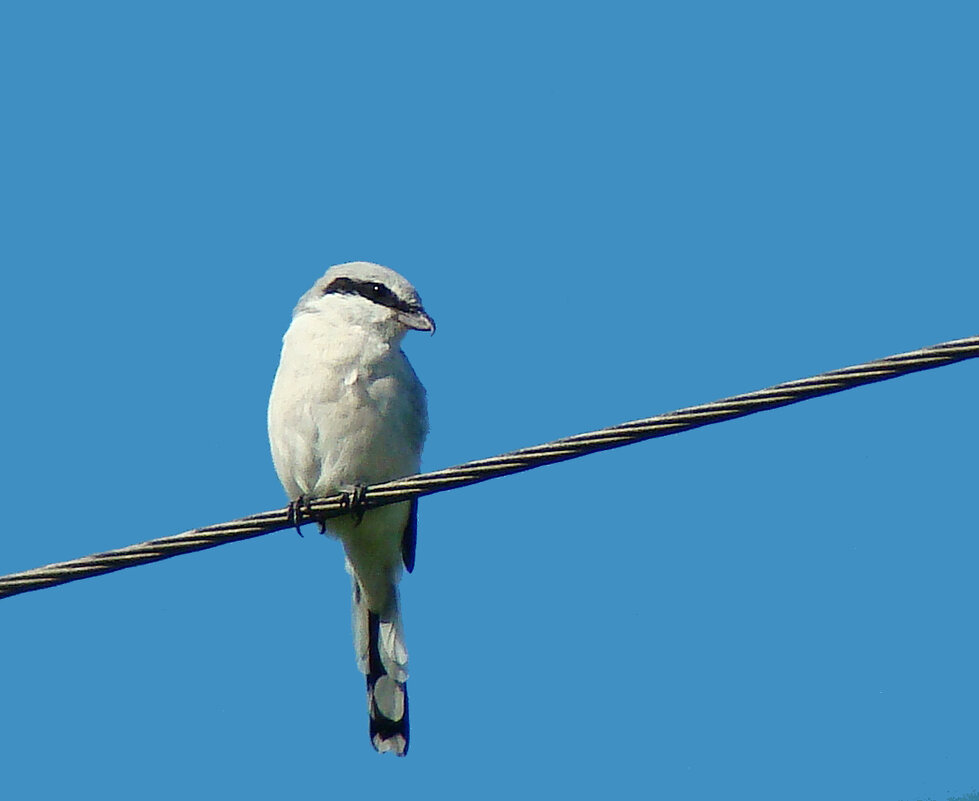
(366, 294)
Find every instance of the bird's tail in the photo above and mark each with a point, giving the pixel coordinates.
(382, 657)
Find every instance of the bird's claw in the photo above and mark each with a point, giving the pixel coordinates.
(292, 516)
(352, 500)
(299, 508)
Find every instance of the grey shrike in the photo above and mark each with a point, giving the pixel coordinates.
(347, 411)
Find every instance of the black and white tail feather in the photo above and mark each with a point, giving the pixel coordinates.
(383, 658)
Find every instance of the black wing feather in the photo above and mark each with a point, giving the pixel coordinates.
(410, 537)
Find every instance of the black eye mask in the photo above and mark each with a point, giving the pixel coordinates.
(371, 290)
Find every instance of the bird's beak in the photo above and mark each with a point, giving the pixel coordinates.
(417, 320)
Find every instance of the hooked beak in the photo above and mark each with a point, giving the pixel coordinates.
(418, 320)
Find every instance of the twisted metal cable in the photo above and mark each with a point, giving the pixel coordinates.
(484, 469)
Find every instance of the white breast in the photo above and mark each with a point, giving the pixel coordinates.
(346, 408)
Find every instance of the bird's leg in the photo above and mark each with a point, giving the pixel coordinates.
(309, 513)
(353, 501)
(319, 520)
(296, 512)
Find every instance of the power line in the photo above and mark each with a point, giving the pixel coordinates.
(495, 466)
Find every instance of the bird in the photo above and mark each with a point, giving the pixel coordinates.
(347, 411)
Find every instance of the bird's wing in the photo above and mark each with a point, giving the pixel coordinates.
(410, 537)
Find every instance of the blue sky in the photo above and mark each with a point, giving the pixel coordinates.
(611, 211)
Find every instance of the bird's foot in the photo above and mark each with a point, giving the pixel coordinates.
(353, 501)
(298, 508)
